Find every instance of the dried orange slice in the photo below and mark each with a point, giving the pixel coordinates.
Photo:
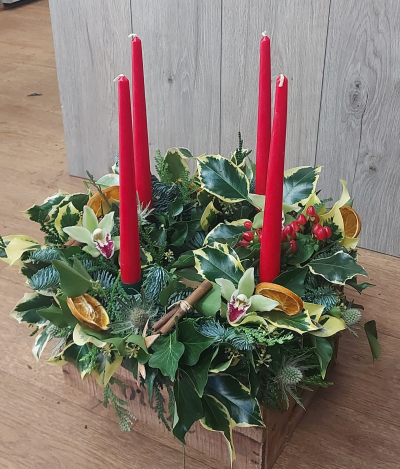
(89, 311)
(97, 202)
(351, 220)
(289, 302)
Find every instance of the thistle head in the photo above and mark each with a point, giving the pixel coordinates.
(351, 316)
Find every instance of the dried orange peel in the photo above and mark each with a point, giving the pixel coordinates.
(99, 205)
(351, 221)
(289, 302)
(89, 311)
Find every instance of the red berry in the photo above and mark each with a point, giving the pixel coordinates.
(321, 235)
(293, 235)
(316, 218)
(288, 230)
(248, 236)
(317, 228)
(284, 237)
(293, 245)
(295, 226)
(301, 219)
(248, 225)
(328, 231)
(243, 243)
(311, 211)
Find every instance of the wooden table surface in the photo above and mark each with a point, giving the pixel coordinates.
(48, 425)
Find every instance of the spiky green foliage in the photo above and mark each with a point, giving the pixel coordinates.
(52, 237)
(179, 296)
(320, 292)
(106, 279)
(240, 337)
(156, 279)
(160, 404)
(162, 170)
(322, 204)
(45, 279)
(197, 241)
(316, 380)
(44, 255)
(351, 316)
(97, 264)
(163, 195)
(125, 418)
(240, 153)
(89, 360)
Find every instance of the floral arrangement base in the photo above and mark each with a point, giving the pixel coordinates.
(256, 448)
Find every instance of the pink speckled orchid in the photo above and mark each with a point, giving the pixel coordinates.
(95, 234)
(241, 301)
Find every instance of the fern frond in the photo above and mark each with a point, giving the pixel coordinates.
(125, 418)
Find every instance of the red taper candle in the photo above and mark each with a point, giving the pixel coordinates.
(129, 227)
(271, 240)
(140, 136)
(264, 115)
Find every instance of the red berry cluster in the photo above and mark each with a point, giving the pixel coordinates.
(289, 232)
(248, 236)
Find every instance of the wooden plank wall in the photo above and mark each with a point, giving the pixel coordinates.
(201, 67)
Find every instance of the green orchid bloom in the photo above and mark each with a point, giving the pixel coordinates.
(95, 234)
(241, 301)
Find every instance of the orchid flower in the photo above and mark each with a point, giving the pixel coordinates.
(241, 301)
(95, 234)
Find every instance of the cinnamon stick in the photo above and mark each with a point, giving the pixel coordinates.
(178, 312)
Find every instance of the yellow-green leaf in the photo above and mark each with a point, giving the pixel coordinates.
(209, 216)
(331, 326)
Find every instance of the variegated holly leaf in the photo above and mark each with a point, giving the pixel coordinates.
(26, 308)
(176, 160)
(299, 184)
(209, 216)
(221, 177)
(242, 407)
(16, 246)
(337, 268)
(300, 323)
(42, 339)
(293, 280)
(218, 261)
(224, 232)
(330, 326)
(216, 418)
(111, 362)
(38, 213)
(68, 215)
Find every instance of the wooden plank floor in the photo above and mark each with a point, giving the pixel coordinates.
(45, 424)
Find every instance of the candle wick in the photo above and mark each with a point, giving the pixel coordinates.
(281, 80)
(264, 33)
(118, 76)
(132, 35)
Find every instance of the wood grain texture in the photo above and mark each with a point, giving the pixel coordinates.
(298, 33)
(359, 132)
(181, 49)
(92, 44)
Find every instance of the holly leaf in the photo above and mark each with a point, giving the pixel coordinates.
(26, 308)
(184, 260)
(242, 407)
(300, 323)
(167, 352)
(293, 280)
(209, 216)
(305, 249)
(216, 418)
(67, 216)
(324, 352)
(224, 232)
(193, 341)
(300, 184)
(218, 261)
(358, 286)
(189, 407)
(372, 336)
(199, 373)
(221, 177)
(38, 213)
(337, 268)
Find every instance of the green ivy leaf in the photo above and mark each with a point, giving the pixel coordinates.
(324, 352)
(177, 164)
(108, 180)
(221, 177)
(293, 280)
(189, 274)
(218, 261)
(74, 281)
(194, 342)
(216, 418)
(299, 185)
(199, 373)
(189, 408)
(175, 208)
(167, 352)
(372, 336)
(242, 407)
(337, 268)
